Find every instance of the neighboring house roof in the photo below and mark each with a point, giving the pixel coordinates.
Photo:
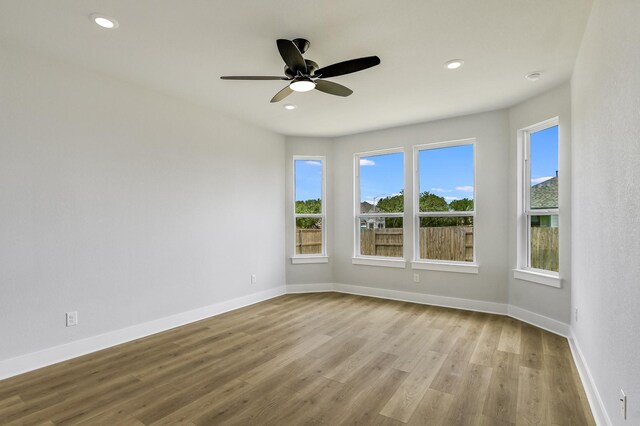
(545, 194)
(366, 207)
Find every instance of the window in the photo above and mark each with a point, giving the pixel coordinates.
(538, 198)
(444, 204)
(310, 220)
(379, 206)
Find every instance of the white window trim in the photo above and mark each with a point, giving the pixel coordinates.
(434, 264)
(523, 271)
(358, 259)
(307, 259)
(389, 262)
(538, 276)
(320, 257)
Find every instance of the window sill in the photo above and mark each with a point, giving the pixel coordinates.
(465, 268)
(387, 262)
(301, 260)
(550, 279)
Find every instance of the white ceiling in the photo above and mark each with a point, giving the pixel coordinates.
(182, 48)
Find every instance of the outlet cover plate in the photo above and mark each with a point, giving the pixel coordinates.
(72, 319)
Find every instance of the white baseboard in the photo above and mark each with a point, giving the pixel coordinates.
(598, 409)
(425, 299)
(32, 361)
(538, 320)
(309, 288)
(21, 364)
(533, 318)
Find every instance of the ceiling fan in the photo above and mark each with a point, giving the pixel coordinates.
(305, 74)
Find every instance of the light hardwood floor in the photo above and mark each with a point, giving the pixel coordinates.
(318, 359)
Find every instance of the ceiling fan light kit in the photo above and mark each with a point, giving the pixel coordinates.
(302, 84)
(305, 75)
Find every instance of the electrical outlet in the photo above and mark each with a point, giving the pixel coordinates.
(623, 404)
(416, 278)
(254, 279)
(72, 319)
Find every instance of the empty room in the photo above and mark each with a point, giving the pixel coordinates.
(414, 212)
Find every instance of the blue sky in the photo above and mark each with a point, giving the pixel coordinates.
(447, 172)
(308, 179)
(381, 176)
(544, 154)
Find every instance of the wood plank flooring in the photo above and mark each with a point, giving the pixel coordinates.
(315, 359)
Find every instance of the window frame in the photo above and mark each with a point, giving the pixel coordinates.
(359, 259)
(322, 257)
(436, 264)
(523, 269)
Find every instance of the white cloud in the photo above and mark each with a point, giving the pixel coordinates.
(314, 163)
(440, 190)
(535, 181)
(451, 198)
(466, 188)
(365, 162)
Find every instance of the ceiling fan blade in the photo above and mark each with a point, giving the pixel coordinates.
(282, 94)
(291, 56)
(252, 77)
(347, 67)
(332, 88)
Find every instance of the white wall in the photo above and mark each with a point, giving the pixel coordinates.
(320, 272)
(606, 201)
(554, 303)
(125, 205)
(490, 130)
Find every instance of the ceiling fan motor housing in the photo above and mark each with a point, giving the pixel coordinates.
(302, 44)
(311, 68)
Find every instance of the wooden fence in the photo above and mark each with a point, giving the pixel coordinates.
(453, 243)
(308, 241)
(544, 248)
(381, 242)
(441, 243)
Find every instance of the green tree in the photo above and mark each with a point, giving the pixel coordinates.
(309, 207)
(432, 203)
(392, 204)
(464, 205)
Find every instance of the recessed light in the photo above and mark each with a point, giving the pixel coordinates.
(290, 107)
(454, 64)
(534, 76)
(104, 21)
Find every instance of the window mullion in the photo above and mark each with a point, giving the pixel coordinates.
(447, 214)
